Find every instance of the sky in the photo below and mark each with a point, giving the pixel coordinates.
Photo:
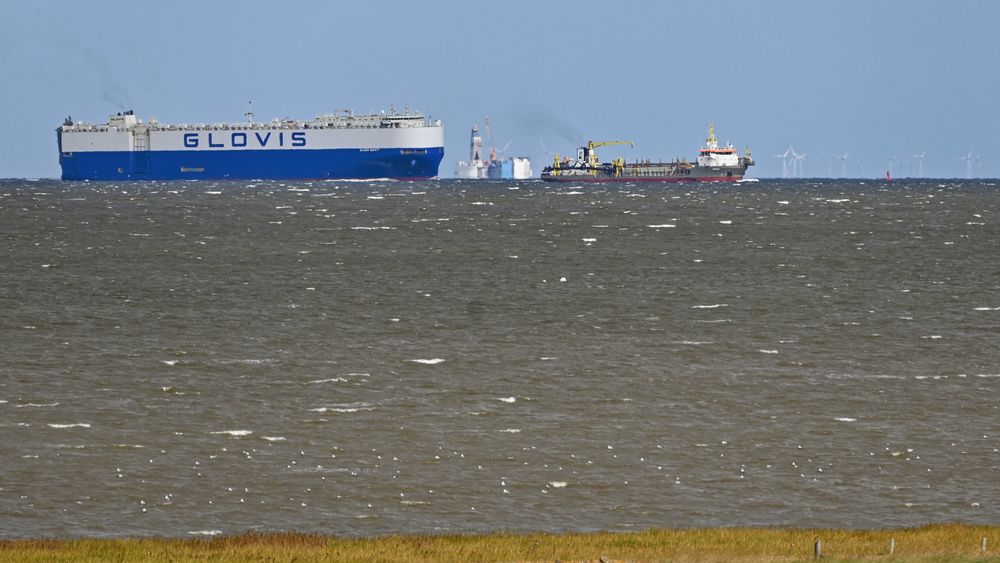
(878, 80)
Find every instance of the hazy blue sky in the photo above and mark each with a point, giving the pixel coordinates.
(881, 79)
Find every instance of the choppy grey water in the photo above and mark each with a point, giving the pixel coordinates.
(382, 357)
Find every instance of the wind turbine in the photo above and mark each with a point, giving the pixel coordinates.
(920, 163)
(798, 164)
(544, 148)
(548, 154)
(968, 162)
(843, 163)
(784, 162)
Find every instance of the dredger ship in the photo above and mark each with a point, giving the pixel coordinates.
(714, 164)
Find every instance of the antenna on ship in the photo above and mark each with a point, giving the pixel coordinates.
(249, 112)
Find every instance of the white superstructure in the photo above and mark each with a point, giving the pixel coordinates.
(522, 167)
(475, 168)
(711, 155)
(125, 132)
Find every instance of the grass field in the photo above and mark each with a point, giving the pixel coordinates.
(929, 543)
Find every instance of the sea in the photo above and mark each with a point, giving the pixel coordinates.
(186, 359)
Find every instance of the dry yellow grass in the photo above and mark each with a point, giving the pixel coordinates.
(930, 543)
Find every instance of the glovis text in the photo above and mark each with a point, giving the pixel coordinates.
(244, 139)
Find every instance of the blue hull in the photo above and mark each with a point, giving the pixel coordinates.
(253, 164)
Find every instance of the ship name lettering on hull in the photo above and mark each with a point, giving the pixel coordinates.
(243, 139)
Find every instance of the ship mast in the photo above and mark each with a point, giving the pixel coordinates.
(711, 142)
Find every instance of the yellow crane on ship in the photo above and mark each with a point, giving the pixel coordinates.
(591, 156)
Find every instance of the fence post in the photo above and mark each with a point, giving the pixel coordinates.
(983, 544)
(892, 546)
(817, 549)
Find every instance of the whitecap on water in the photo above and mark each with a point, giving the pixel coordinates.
(507, 399)
(330, 380)
(557, 484)
(716, 306)
(274, 438)
(429, 362)
(234, 432)
(987, 309)
(40, 405)
(845, 419)
(762, 351)
(663, 226)
(511, 430)
(247, 361)
(205, 532)
(345, 408)
(74, 425)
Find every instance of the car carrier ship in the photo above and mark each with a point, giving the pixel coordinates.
(714, 164)
(340, 145)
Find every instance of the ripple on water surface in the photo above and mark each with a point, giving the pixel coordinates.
(379, 357)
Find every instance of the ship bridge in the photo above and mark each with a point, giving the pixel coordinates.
(712, 155)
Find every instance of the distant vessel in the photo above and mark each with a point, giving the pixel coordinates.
(714, 164)
(341, 145)
(493, 168)
(511, 168)
(475, 168)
